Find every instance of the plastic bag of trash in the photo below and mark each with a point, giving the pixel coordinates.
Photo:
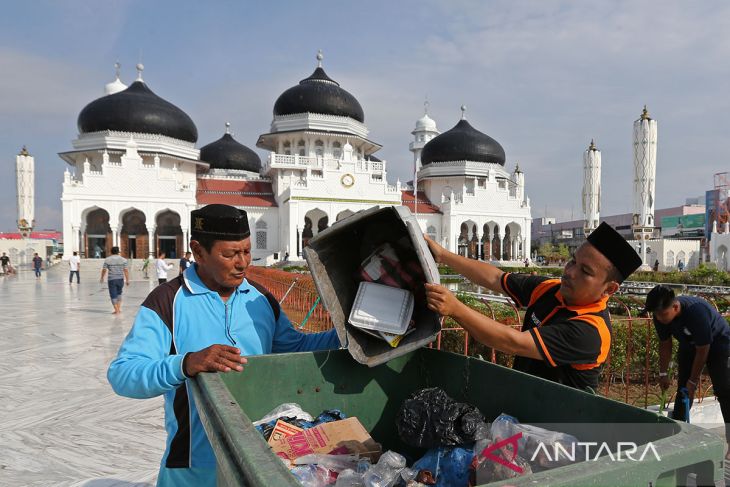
(430, 418)
(326, 416)
(288, 410)
(449, 466)
(336, 463)
(542, 447)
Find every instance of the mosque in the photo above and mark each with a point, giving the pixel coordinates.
(134, 174)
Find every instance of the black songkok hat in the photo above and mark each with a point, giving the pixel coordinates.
(219, 222)
(615, 248)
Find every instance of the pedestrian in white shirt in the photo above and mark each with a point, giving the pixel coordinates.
(162, 267)
(74, 265)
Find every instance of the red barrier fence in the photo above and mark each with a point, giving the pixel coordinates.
(630, 373)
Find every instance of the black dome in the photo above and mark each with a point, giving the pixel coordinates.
(228, 153)
(319, 94)
(462, 143)
(137, 109)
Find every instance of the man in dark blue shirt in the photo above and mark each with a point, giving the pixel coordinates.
(704, 338)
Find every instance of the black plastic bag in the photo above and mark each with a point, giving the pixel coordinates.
(430, 418)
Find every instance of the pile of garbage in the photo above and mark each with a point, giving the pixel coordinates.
(461, 448)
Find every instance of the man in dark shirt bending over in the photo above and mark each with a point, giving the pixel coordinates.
(704, 338)
(566, 333)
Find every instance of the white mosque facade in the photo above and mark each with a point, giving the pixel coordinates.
(134, 174)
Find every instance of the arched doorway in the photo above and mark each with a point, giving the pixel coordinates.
(722, 258)
(344, 214)
(134, 239)
(169, 234)
(496, 244)
(98, 234)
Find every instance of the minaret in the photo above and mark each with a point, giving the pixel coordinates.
(645, 138)
(591, 188)
(425, 130)
(24, 177)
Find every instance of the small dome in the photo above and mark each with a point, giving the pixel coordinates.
(319, 94)
(463, 143)
(426, 123)
(137, 109)
(228, 153)
(115, 86)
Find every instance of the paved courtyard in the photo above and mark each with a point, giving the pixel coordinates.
(62, 424)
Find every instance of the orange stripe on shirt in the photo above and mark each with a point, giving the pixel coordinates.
(599, 324)
(541, 289)
(544, 348)
(509, 291)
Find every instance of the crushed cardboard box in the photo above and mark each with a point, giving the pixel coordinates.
(282, 429)
(324, 438)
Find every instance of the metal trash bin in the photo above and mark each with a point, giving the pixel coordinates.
(228, 403)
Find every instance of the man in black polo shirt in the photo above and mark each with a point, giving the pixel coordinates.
(566, 333)
(704, 338)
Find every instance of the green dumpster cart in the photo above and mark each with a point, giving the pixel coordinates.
(228, 403)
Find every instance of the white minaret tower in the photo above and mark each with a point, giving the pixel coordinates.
(645, 138)
(425, 130)
(591, 188)
(24, 177)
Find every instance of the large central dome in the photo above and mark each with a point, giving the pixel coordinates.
(463, 143)
(137, 109)
(319, 94)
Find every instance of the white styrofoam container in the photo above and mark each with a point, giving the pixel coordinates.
(382, 308)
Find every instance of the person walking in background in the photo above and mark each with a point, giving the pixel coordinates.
(704, 338)
(680, 265)
(5, 262)
(162, 267)
(656, 265)
(37, 265)
(116, 266)
(74, 264)
(185, 262)
(146, 266)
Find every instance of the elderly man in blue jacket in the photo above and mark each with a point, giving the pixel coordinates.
(208, 319)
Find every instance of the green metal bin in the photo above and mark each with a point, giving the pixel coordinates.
(228, 403)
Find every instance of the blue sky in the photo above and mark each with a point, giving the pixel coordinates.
(541, 77)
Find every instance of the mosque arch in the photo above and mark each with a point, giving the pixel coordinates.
(133, 235)
(97, 233)
(722, 258)
(168, 234)
(496, 243)
(344, 214)
(513, 241)
(681, 256)
(315, 221)
(468, 240)
(669, 260)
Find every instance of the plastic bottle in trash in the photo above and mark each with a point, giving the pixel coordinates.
(349, 478)
(386, 472)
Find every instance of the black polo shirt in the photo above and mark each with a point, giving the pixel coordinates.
(574, 341)
(697, 324)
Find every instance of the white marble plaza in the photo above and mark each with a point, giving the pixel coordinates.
(62, 424)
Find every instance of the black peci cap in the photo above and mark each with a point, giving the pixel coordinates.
(658, 298)
(615, 248)
(219, 222)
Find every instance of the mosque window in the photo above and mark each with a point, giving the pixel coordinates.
(318, 148)
(301, 148)
(261, 234)
(482, 182)
(287, 148)
(336, 150)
